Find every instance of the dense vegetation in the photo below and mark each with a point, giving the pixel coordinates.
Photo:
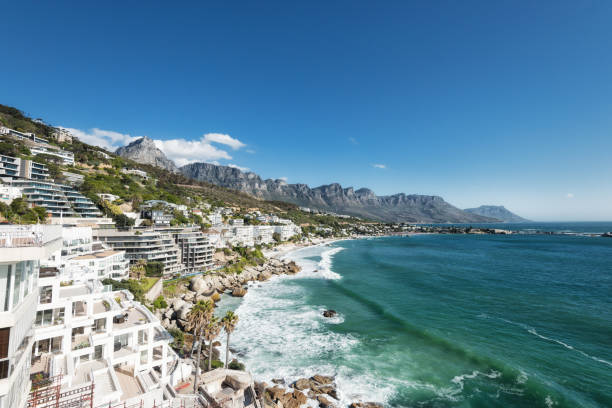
(18, 212)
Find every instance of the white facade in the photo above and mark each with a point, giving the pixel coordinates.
(21, 248)
(263, 234)
(9, 193)
(93, 335)
(286, 231)
(66, 156)
(215, 218)
(108, 197)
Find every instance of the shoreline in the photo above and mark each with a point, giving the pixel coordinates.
(322, 387)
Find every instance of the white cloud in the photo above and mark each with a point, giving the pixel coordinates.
(238, 167)
(223, 139)
(180, 151)
(379, 166)
(569, 195)
(106, 139)
(183, 151)
(283, 178)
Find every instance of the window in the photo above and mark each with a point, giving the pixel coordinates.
(144, 357)
(5, 286)
(19, 275)
(4, 341)
(142, 337)
(46, 294)
(99, 352)
(4, 344)
(56, 344)
(99, 325)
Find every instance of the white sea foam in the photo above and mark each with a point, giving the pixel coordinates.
(280, 335)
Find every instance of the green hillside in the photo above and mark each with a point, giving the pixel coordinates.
(103, 175)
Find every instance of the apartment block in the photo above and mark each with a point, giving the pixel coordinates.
(21, 248)
(15, 167)
(149, 245)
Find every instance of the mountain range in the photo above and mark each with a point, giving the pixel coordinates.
(332, 197)
(497, 211)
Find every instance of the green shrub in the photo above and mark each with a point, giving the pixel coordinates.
(160, 303)
(235, 365)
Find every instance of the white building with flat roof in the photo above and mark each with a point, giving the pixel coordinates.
(21, 248)
(9, 193)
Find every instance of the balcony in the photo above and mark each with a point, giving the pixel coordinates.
(80, 341)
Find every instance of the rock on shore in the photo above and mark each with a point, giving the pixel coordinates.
(209, 287)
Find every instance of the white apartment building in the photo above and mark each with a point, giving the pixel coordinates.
(21, 248)
(9, 193)
(241, 236)
(108, 197)
(92, 335)
(215, 218)
(80, 257)
(154, 246)
(287, 231)
(66, 156)
(263, 234)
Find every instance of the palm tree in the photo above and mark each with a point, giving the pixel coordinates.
(211, 331)
(197, 320)
(229, 322)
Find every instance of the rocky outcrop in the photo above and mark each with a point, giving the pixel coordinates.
(498, 212)
(333, 197)
(209, 286)
(239, 292)
(329, 313)
(144, 151)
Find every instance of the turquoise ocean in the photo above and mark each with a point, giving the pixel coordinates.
(441, 320)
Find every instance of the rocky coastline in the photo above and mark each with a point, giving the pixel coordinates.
(211, 286)
(318, 390)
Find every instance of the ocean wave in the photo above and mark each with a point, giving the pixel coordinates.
(280, 335)
(325, 264)
(534, 332)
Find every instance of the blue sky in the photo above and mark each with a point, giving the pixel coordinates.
(480, 102)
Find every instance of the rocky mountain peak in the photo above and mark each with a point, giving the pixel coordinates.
(144, 151)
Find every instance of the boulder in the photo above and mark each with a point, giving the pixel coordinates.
(301, 384)
(189, 296)
(293, 399)
(330, 313)
(322, 379)
(184, 312)
(177, 303)
(365, 405)
(292, 267)
(324, 402)
(197, 285)
(239, 292)
(274, 393)
(278, 381)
